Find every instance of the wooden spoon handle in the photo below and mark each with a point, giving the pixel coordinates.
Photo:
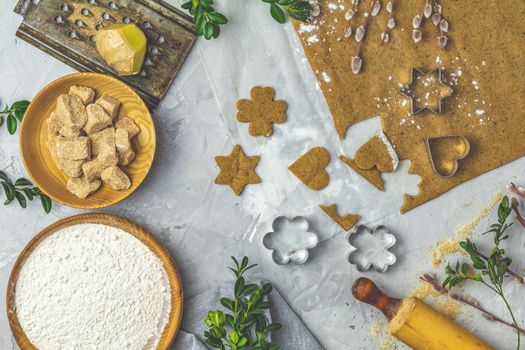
(366, 291)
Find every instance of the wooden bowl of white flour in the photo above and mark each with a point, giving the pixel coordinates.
(94, 281)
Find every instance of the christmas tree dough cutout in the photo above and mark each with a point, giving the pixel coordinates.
(237, 170)
(261, 111)
(310, 168)
(346, 221)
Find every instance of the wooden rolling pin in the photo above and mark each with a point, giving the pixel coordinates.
(415, 323)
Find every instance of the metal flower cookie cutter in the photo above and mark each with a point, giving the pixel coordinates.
(416, 105)
(445, 152)
(370, 248)
(290, 240)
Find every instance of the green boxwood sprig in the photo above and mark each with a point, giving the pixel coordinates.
(14, 115)
(23, 190)
(244, 325)
(207, 20)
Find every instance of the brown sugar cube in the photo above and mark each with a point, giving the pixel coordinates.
(124, 148)
(116, 178)
(72, 168)
(103, 143)
(73, 148)
(82, 188)
(109, 104)
(97, 119)
(71, 111)
(129, 125)
(68, 131)
(53, 124)
(93, 168)
(86, 94)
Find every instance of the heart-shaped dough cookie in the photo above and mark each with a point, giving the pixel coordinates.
(310, 168)
(379, 153)
(445, 151)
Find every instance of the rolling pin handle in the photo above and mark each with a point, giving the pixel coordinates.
(367, 291)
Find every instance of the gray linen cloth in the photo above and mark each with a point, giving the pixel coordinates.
(293, 335)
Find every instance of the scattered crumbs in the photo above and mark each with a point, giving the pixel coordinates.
(444, 248)
(375, 328)
(307, 28)
(387, 341)
(326, 77)
(352, 326)
(312, 39)
(423, 291)
(465, 231)
(449, 308)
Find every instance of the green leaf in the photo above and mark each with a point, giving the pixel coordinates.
(234, 337)
(9, 190)
(228, 303)
(21, 105)
(272, 328)
(208, 30)
(11, 124)
(266, 289)
(242, 342)
(21, 199)
(3, 176)
(216, 31)
(277, 13)
(187, 5)
(239, 286)
(28, 193)
(217, 318)
(218, 18)
(46, 203)
(23, 182)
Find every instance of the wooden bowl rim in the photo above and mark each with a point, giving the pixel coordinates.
(175, 316)
(23, 131)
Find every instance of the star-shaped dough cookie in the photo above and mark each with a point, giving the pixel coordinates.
(237, 170)
(261, 111)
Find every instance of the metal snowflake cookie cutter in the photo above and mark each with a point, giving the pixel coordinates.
(370, 248)
(406, 90)
(290, 240)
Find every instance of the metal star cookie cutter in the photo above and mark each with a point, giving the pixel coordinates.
(370, 248)
(406, 91)
(290, 240)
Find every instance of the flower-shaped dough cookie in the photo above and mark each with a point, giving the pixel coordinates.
(261, 111)
(237, 170)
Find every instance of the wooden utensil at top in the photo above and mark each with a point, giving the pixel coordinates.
(367, 291)
(172, 325)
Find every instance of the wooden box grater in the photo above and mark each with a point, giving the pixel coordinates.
(65, 29)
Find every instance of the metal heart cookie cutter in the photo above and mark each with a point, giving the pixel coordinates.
(406, 90)
(370, 248)
(445, 152)
(290, 240)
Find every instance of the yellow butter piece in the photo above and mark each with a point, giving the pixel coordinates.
(123, 47)
(423, 328)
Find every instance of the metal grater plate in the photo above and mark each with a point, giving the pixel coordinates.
(65, 29)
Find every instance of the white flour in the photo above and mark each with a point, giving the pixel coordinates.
(92, 286)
